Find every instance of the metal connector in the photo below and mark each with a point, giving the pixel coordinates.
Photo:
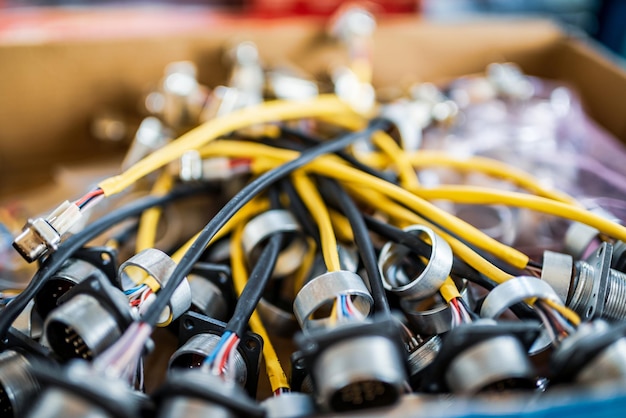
(289, 405)
(594, 289)
(41, 236)
(17, 384)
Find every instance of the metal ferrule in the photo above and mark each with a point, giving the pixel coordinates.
(277, 321)
(207, 298)
(321, 293)
(516, 290)
(495, 364)
(289, 405)
(263, 226)
(155, 264)
(18, 387)
(81, 328)
(557, 272)
(424, 284)
(357, 373)
(192, 354)
(432, 316)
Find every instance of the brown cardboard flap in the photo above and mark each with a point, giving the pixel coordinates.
(50, 91)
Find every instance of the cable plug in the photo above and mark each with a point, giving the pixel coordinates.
(41, 236)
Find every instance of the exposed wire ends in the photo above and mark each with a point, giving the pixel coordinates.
(564, 311)
(89, 198)
(122, 358)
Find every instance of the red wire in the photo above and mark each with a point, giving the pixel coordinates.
(88, 196)
(229, 347)
(348, 306)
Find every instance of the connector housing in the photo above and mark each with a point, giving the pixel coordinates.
(41, 236)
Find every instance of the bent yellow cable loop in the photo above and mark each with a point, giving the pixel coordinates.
(275, 372)
(149, 221)
(318, 210)
(328, 166)
(203, 134)
(482, 196)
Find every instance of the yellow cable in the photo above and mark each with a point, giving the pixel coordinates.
(149, 221)
(566, 312)
(328, 166)
(318, 210)
(273, 368)
(449, 290)
(468, 255)
(483, 196)
(484, 165)
(407, 174)
(203, 134)
(305, 267)
(341, 225)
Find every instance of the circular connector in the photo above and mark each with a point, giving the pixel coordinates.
(557, 272)
(17, 384)
(263, 226)
(73, 272)
(424, 355)
(278, 321)
(357, 373)
(313, 303)
(155, 264)
(81, 328)
(395, 266)
(495, 364)
(192, 354)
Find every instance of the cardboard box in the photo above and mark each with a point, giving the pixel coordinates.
(51, 89)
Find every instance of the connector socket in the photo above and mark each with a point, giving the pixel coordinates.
(41, 236)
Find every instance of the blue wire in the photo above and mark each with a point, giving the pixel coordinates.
(210, 358)
(344, 306)
(134, 289)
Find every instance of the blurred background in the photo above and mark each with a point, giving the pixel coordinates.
(43, 19)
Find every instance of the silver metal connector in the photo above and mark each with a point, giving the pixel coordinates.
(41, 236)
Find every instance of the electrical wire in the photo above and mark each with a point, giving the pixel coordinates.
(275, 373)
(477, 195)
(300, 211)
(406, 172)
(214, 128)
(54, 262)
(363, 243)
(253, 291)
(330, 167)
(149, 220)
(316, 207)
(203, 238)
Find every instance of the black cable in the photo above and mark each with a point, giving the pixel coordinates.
(257, 281)
(274, 196)
(76, 242)
(362, 240)
(245, 195)
(471, 313)
(310, 140)
(459, 267)
(300, 211)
